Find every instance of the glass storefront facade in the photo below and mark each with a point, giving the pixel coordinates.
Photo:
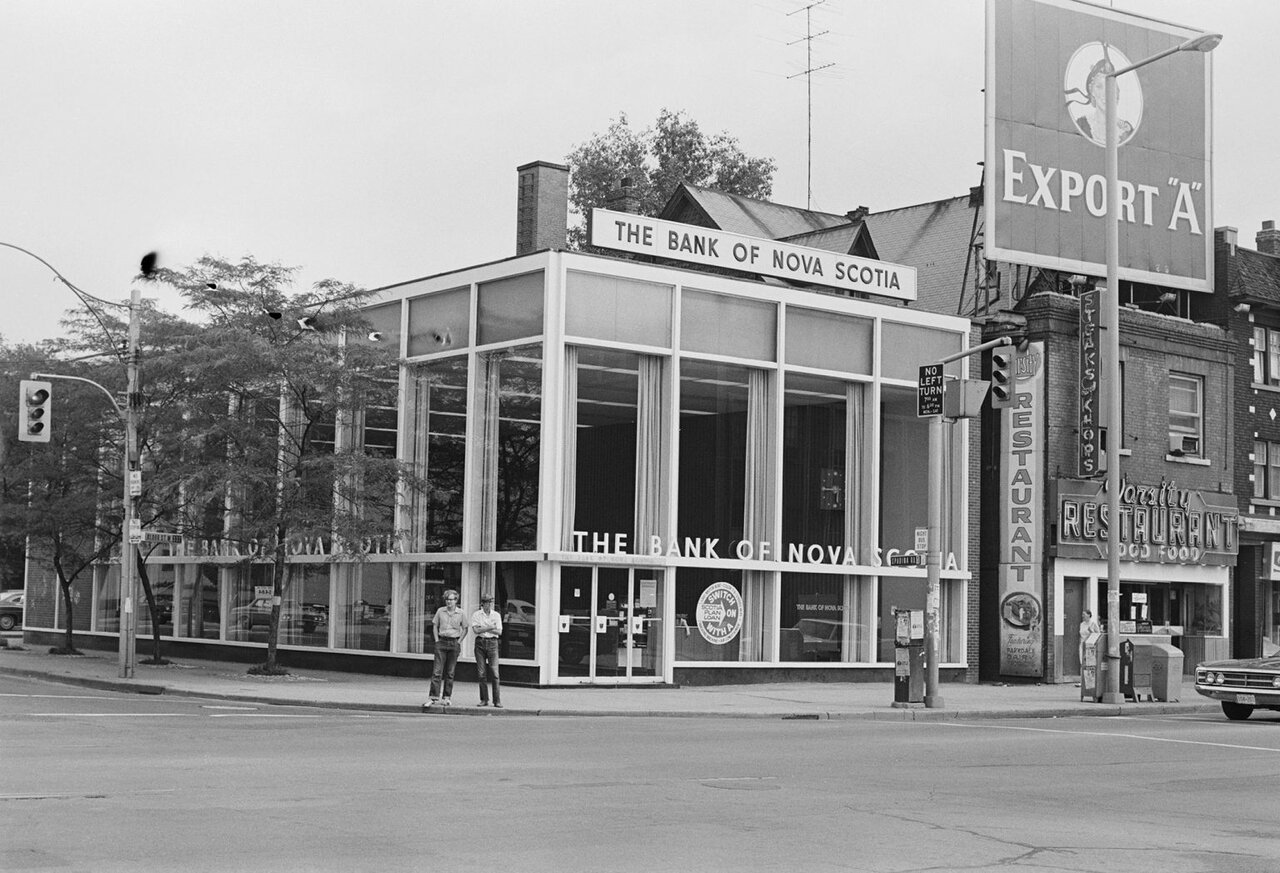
(655, 471)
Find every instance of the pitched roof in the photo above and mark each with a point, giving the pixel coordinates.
(1257, 277)
(745, 215)
(934, 238)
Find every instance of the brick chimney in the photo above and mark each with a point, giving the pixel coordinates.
(623, 198)
(856, 215)
(1269, 239)
(542, 207)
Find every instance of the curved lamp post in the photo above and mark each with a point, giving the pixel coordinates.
(1111, 353)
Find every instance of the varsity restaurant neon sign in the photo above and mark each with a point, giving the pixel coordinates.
(1161, 524)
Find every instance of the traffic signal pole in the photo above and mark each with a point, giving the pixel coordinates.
(128, 554)
(933, 561)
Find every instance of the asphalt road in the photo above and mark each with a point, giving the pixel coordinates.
(96, 781)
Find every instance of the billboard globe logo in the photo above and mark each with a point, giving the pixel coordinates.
(1084, 88)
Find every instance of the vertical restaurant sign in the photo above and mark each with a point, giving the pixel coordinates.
(1045, 183)
(1020, 580)
(1090, 361)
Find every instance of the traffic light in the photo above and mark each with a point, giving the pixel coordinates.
(1004, 365)
(35, 402)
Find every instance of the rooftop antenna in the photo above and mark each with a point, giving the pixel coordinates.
(808, 72)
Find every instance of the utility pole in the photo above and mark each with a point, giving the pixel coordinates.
(808, 72)
(128, 552)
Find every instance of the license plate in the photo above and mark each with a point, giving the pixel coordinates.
(1246, 698)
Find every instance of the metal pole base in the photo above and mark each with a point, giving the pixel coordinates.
(1109, 697)
(933, 701)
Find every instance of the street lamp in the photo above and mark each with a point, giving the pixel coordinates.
(1206, 42)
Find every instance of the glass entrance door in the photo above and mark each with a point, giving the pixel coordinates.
(610, 624)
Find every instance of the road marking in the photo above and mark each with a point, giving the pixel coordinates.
(1109, 734)
(62, 696)
(113, 714)
(261, 715)
(249, 708)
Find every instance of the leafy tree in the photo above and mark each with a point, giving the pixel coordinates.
(268, 387)
(50, 492)
(656, 160)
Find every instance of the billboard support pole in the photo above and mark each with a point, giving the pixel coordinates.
(1111, 349)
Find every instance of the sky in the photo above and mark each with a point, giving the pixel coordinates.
(376, 142)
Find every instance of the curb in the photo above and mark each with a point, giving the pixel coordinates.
(887, 714)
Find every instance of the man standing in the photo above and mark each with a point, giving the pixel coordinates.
(487, 626)
(449, 631)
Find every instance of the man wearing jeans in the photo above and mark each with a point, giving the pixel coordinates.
(449, 631)
(487, 626)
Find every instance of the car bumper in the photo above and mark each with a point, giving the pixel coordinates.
(1267, 699)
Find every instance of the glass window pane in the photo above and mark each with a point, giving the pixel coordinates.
(1184, 404)
(436, 434)
(304, 611)
(1273, 358)
(200, 611)
(249, 616)
(1259, 355)
(515, 599)
(733, 326)
(618, 310)
(509, 309)
(703, 637)
(713, 451)
(161, 579)
(813, 461)
(905, 347)
(1260, 469)
(519, 444)
(904, 485)
(605, 441)
(1272, 456)
(829, 341)
(816, 623)
(427, 584)
(440, 322)
(362, 613)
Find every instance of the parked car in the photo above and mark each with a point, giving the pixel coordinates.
(518, 621)
(1241, 685)
(12, 606)
(258, 613)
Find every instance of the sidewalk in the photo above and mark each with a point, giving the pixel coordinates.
(809, 700)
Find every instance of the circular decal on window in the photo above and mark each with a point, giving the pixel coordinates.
(1084, 89)
(719, 613)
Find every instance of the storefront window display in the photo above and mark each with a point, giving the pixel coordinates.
(249, 615)
(304, 619)
(515, 599)
(713, 621)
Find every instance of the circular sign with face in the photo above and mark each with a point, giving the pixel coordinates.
(719, 613)
(1085, 93)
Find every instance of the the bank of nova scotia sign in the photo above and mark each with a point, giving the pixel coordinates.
(1045, 177)
(670, 240)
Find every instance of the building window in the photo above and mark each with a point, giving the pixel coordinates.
(1266, 470)
(1266, 356)
(1186, 414)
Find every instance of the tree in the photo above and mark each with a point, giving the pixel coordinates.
(656, 160)
(50, 493)
(270, 388)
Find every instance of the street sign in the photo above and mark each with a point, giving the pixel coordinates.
(155, 536)
(929, 391)
(922, 539)
(904, 560)
(135, 531)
